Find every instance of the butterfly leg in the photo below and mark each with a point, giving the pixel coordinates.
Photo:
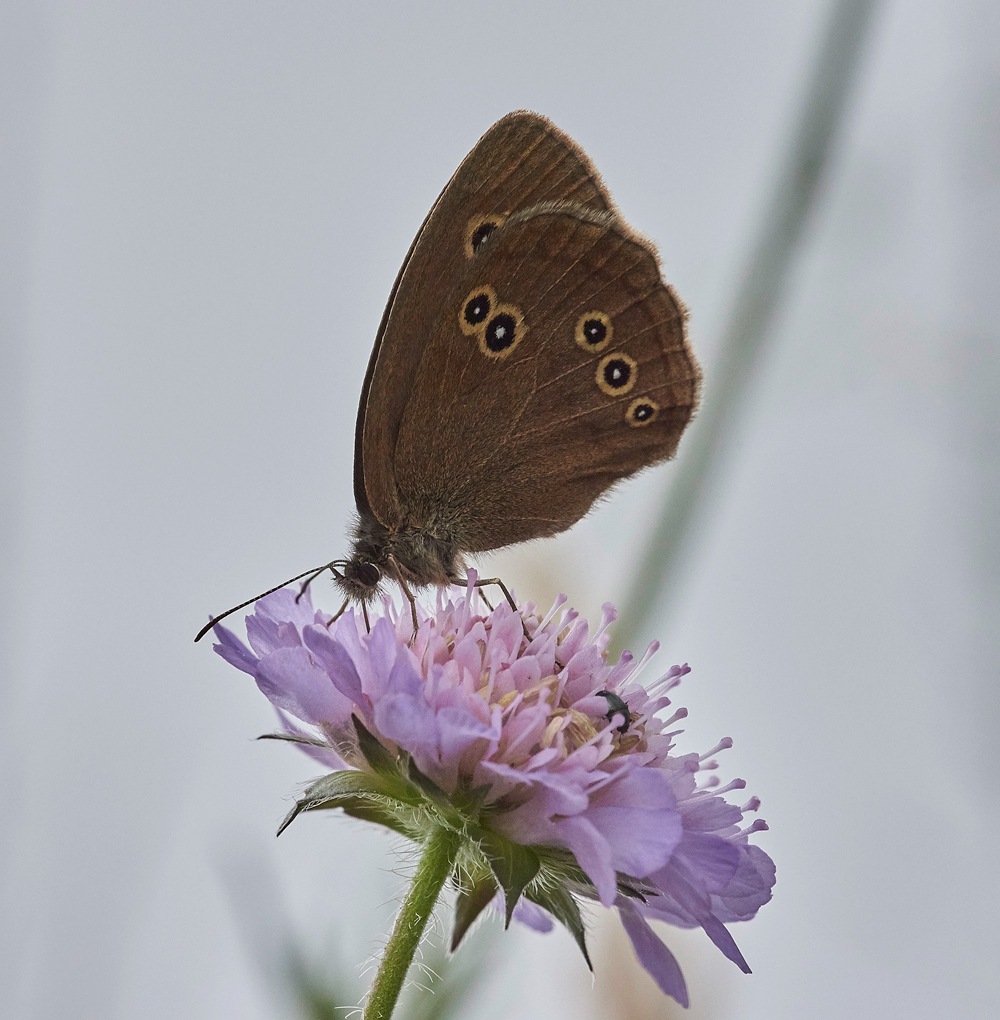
(413, 606)
(482, 582)
(364, 610)
(338, 614)
(510, 598)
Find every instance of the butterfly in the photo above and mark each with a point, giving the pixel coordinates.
(529, 357)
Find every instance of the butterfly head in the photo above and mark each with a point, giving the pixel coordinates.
(359, 579)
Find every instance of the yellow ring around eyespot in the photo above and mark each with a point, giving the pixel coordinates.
(581, 338)
(637, 403)
(617, 391)
(473, 328)
(519, 330)
(474, 224)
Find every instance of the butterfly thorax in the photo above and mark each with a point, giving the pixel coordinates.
(412, 556)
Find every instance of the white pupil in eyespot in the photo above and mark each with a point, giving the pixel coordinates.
(500, 332)
(616, 374)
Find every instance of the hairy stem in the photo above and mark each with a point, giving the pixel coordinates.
(434, 868)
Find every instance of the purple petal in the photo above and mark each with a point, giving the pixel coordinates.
(665, 908)
(382, 647)
(574, 640)
(408, 721)
(347, 635)
(654, 956)
(334, 658)
(468, 654)
(281, 607)
(641, 842)
(232, 649)
(647, 789)
(592, 705)
(404, 679)
(676, 879)
(523, 731)
(709, 814)
(506, 632)
(582, 667)
(561, 793)
(531, 822)
(709, 861)
(525, 672)
(266, 636)
(719, 934)
(292, 681)
(324, 755)
(532, 915)
(460, 728)
(749, 889)
(592, 853)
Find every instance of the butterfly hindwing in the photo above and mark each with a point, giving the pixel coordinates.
(556, 365)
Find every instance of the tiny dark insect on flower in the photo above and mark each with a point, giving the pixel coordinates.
(616, 707)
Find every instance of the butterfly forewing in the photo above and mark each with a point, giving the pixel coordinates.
(521, 161)
(555, 366)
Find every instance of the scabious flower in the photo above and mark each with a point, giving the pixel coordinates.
(554, 770)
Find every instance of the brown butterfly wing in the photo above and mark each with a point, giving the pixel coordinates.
(521, 161)
(502, 442)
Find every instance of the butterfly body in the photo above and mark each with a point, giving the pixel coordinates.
(529, 357)
(415, 555)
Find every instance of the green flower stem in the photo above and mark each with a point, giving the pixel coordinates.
(435, 866)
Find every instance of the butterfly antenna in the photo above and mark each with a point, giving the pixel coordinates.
(315, 571)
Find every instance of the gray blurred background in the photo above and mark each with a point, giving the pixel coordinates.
(204, 205)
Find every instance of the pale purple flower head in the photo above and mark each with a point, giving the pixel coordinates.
(514, 728)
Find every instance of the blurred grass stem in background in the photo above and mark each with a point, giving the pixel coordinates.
(436, 864)
(796, 191)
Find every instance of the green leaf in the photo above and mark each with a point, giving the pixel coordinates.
(380, 814)
(376, 754)
(470, 800)
(433, 793)
(427, 786)
(561, 905)
(635, 888)
(469, 906)
(337, 786)
(513, 865)
(352, 781)
(293, 738)
(561, 862)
